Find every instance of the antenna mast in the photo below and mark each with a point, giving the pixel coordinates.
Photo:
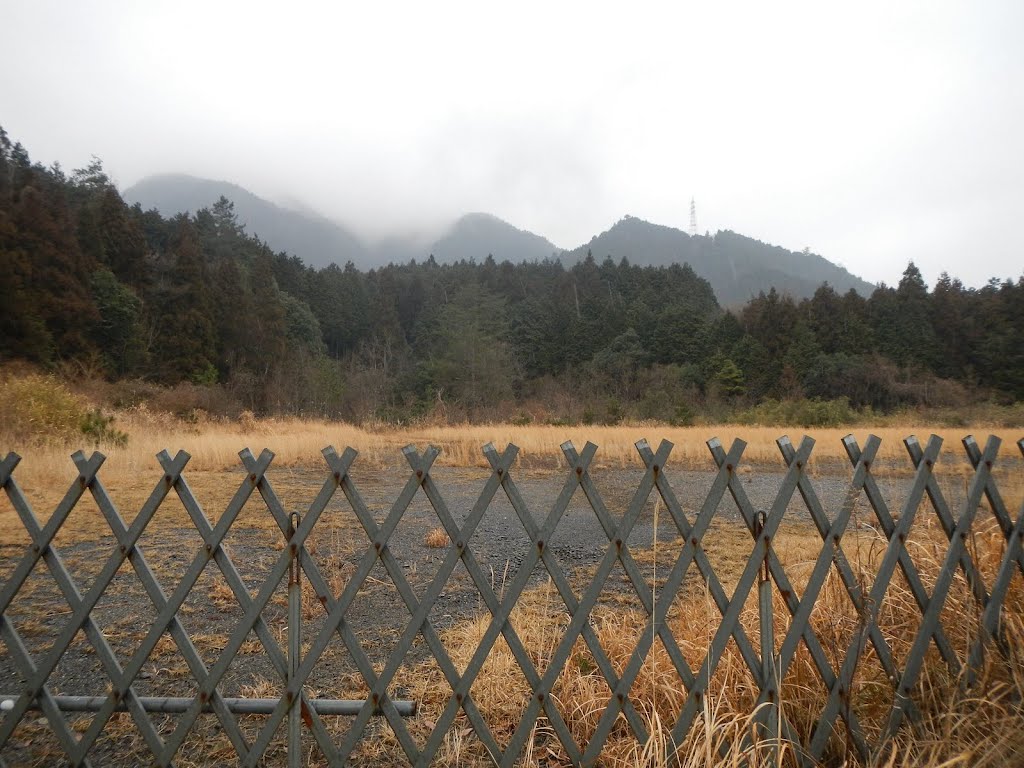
(693, 218)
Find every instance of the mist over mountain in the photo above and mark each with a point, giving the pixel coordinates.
(737, 267)
(316, 240)
(319, 241)
(477, 235)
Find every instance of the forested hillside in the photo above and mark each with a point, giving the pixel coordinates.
(316, 239)
(737, 267)
(320, 242)
(95, 286)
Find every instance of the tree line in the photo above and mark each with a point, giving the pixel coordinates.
(193, 300)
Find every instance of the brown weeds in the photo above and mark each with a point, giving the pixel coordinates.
(982, 725)
(436, 538)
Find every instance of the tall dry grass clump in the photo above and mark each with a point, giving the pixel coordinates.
(41, 412)
(39, 409)
(979, 725)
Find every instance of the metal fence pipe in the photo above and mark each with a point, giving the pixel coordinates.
(174, 705)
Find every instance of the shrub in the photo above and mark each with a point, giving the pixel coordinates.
(99, 428)
(40, 409)
(802, 412)
(683, 416)
(614, 412)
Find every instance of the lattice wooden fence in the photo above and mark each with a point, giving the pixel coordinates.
(302, 715)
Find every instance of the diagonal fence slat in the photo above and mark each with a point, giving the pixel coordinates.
(991, 619)
(127, 538)
(40, 548)
(460, 551)
(766, 662)
(502, 610)
(831, 554)
(731, 616)
(419, 609)
(896, 553)
(620, 700)
(580, 610)
(213, 538)
(954, 556)
(167, 620)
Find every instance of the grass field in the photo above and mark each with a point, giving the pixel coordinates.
(131, 471)
(982, 726)
(214, 444)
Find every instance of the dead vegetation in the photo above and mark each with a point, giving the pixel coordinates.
(213, 444)
(436, 538)
(980, 725)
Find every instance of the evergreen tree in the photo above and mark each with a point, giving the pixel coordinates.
(119, 334)
(187, 343)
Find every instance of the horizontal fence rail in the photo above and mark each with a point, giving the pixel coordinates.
(765, 623)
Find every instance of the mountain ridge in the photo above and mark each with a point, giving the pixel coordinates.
(738, 267)
(315, 239)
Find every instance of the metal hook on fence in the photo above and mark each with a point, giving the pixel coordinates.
(769, 682)
(295, 567)
(294, 640)
(759, 525)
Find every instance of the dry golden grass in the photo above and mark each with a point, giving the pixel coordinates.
(436, 538)
(214, 444)
(983, 726)
(215, 471)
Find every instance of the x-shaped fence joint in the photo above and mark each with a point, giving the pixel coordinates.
(954, 555)
(731, 616)
(895, 553)
(294, 694)
(991, 620)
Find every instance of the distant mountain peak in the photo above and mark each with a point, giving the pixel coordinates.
(316, 240)
(737, 267)
(477, 235)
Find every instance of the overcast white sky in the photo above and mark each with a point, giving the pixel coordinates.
(874, 132)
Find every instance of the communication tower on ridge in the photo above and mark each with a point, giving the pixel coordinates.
(693, 218)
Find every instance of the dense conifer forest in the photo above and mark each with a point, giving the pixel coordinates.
(99, 289)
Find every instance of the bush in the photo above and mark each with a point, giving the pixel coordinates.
(683, 416)
(99, 428)
(186, 400)
(669, 394)
(40, 409)
(614, 412)
(802, 412)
